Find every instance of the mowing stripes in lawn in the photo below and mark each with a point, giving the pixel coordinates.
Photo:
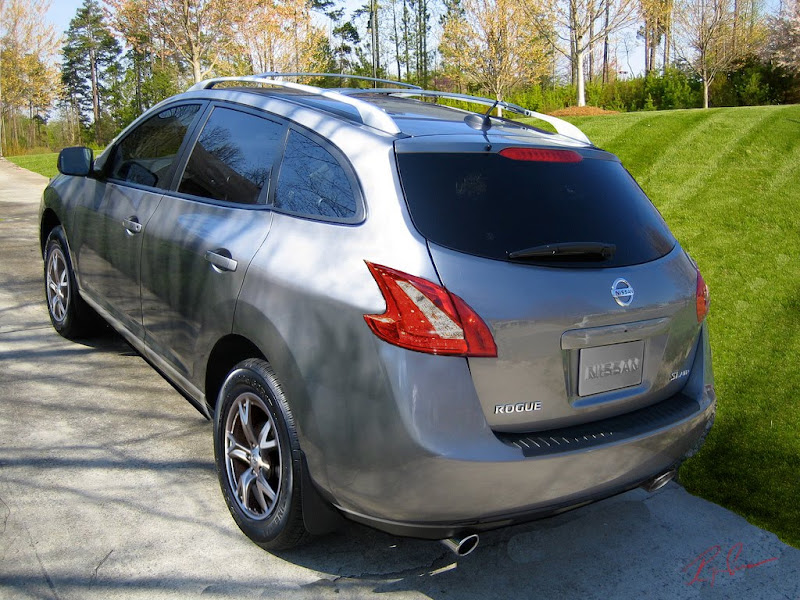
(728, 183)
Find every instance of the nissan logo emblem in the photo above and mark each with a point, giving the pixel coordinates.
(622, 292)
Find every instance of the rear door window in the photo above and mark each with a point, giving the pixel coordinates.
(313, 183)
(146, 156)
(233, 157)
(489, 205)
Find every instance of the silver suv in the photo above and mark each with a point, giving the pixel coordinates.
(426, 319)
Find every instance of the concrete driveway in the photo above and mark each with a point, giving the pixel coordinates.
(108, 490)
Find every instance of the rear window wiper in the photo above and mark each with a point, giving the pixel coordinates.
(576, 250)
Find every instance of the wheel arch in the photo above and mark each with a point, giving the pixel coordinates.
(48, 222)
(226, 354)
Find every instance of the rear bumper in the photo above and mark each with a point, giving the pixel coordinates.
(467, 495)
(418, 458)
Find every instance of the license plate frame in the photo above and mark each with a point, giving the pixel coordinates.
(609, 368)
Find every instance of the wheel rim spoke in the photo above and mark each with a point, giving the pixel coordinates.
(266, 490)
(253, 456)
(243, 488)
(263, 442)
(237, 451)
(244, 419)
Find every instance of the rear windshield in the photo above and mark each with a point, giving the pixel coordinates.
(488, 205)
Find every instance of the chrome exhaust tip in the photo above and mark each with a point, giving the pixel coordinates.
(463, 546)
(659, 481)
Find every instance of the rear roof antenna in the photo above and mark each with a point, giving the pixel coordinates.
(482, 123)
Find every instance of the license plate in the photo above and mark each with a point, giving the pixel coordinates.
(607, 368)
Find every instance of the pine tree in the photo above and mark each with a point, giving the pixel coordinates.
(90, 50)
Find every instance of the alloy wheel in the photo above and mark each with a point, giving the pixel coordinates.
(58, 292)
(253, 456)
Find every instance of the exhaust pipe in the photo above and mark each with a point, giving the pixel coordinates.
(463, 546)
(659, 481)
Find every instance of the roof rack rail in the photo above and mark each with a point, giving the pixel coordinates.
(374, 117)
(341, 76)
(562, 127)
(371, 115)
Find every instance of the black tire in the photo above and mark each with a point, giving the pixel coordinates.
(265, 454)
(70, 315)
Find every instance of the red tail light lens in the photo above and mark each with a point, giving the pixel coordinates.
(703, 298)
(541, 155)
(425, 317)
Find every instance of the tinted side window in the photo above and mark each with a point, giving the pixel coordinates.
(147, 154)
(233, 157)
(312, 182)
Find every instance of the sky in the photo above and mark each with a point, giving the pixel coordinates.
(61, 13)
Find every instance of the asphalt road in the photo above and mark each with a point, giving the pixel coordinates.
(108, 490)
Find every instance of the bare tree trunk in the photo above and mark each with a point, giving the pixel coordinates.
(373, 20)
(591, 51)
(605, 45)
(579, 76)
(95, 94)
(424, 40)
(653, 45)
(706, 85)
(197, 68)
(396, 39)
(406, 41)
(573, 41)
(1, 109)
(667, 33)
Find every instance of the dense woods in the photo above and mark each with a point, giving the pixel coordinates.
(119, 57)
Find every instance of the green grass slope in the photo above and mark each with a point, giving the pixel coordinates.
(44, 164)
(728, 183)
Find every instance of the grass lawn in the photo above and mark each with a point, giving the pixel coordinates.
(727, 181)
(44, 164)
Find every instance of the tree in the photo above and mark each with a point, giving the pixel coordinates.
(784, 46)
(573, 26)
(494, 44)
(657, 17)
(279, 35)
(202, 33)
(90, 51)
(705, 31)
(28, 79)
(224, 37)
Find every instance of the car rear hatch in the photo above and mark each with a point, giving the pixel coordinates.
(591, 302)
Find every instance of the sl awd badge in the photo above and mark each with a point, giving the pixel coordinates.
(622, 292)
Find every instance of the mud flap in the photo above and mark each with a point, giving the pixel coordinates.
(319, 517)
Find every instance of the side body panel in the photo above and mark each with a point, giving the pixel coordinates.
(188, 301)
(106, 240)
(303, 303)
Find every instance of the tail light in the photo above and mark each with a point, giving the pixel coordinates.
(703, 298)
(541, 155)
(425, 317)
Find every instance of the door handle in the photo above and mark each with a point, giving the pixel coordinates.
(220, 261)
(132, 225)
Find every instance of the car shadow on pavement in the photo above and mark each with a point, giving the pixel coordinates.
(632, 546)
